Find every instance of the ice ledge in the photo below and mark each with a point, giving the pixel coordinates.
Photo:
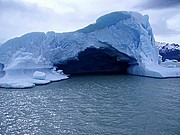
(154, 70)
(28, 78)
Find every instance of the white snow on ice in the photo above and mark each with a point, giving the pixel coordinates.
(28, 59)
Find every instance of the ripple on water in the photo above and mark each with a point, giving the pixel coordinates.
(93, 105)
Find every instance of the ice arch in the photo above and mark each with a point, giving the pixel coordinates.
(98, 60)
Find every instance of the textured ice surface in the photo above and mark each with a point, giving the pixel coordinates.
(125, 36)
(25, 71)
(25, 78)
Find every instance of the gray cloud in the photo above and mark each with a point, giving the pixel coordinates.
(7, 5)
(159, 4)
(16, 6)
(17, 18)
(161, 28)
(159, 21)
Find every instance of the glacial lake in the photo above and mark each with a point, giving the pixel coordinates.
(93, 105)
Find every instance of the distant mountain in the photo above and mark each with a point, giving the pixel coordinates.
(169, 51)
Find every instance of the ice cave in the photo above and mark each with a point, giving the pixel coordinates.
(101, 60)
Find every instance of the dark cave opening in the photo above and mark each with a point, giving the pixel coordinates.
(97, 61)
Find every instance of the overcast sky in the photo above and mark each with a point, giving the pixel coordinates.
(18, 17)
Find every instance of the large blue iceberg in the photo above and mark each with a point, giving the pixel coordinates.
(120, 42)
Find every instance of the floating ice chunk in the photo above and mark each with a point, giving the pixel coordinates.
(54, 71)
(60, 71)
(39, 75)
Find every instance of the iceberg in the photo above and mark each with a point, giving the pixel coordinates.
(120, 42)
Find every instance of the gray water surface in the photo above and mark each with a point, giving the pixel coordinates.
(102, 104)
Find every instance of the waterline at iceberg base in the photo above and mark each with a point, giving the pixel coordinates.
(119, 42)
